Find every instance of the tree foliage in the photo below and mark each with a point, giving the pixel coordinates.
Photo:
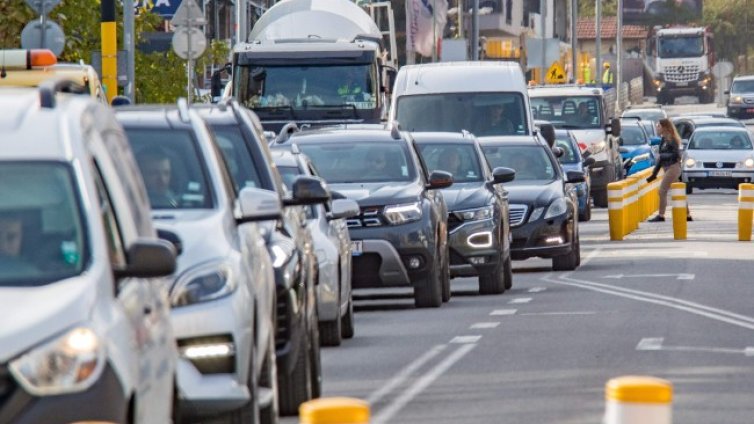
(587, 8)
(728, 19)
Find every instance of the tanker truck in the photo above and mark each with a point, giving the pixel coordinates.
(315, 63)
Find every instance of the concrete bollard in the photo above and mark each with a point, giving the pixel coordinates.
(615, 210)
(638, 400)
(678, 202)
(336, 410)
(745, 210)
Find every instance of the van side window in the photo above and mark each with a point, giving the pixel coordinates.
(112, 231)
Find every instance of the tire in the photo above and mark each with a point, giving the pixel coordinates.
(269, 414)
(570, 260)
(587, 214)
(428, 293)
(578, 251)
(347, 327)
(445, 276)
(600, 198)
(296, 388)
(508, 273)
(331, 332)
(492, 281)
(315, 363)
(689, 189)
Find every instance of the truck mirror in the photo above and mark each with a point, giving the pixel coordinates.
(390, 74)
(548, 133)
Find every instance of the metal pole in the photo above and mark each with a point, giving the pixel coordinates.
(618, 77)
(43, 19)
(241, 24)
(574, 41)
(475, 30)
(128, 46)
(189, 27)
(434, 31)
(460, 19)
(597, 41)
(542, 12)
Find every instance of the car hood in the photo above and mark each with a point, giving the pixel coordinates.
(201, 234)
(462, 196)
(380, 194)
(719, 155)
(589, 136)
(538, 193)
(40, 313)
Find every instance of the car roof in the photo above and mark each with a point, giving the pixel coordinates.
(512, 141)
(564, 90)
(715, 128)
(743, 78)
(443, 137)
(336, 135)
(152, 116)
(443, 77)
(283, 156)
(216, 113)
(709, 120)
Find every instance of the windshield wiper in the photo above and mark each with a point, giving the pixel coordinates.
(341, 109)
(277, 110)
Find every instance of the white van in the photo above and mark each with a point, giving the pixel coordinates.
(85, 334)
(488, 99)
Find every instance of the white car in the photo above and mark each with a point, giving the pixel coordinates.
(718, 157)
(332, 246)
(86, 334)
(224, 289)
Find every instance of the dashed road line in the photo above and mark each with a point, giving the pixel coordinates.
(520, 300)
(537, 289)
(484, 325)
(465, 339)
(561, 313)
(497, 312)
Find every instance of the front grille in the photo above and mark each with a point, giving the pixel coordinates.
(6, 384)
(456, 259)
(517, 214)
(749, 100)
(726, 165)
(282, 320)
(518, 243)
(453, 222)
(366, 269)
(682, 73)
(209, 363)
(369, 217)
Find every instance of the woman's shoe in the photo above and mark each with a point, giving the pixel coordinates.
(658, 218)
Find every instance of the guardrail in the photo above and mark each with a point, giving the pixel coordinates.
(631, 201)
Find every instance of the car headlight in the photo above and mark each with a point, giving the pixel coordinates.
(203, 284)
(557, 207)
(746, 163)
(536, 213)
(690, 162)
(734, 100)
(641, 157)
(401, 214)
(475, 214)
(597, 147)
(69, 363)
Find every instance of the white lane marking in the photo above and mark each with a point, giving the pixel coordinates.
(386, 415)
(483, 325)
(678, 276)
(404, 373)
(465, 339)
(655, 343)
(584, 261)
(537, 289)
(520, 300)
(650, 343)
(503, 312)
(561, 313)
(749, 351)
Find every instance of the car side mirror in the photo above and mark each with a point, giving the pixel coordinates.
(256, 204)
(308, 191)
(613, 128)
(655, 141)
(503, 175)
(589, 161)
(343, 208)
(623, 149)
(726, 92)
(173, 238)
(575, 177)
(685, 141)
(147, 258)
(440, 179)
(548, 133)
(558, 151)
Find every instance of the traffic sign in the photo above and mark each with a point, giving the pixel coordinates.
(556, 74)
(189, 42)
(188, 14)
(42, 7)
(722, 69)
(39, 35)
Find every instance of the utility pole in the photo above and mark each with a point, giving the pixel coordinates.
(109, 48)
(597, 75)
(129, 46)
(434, 31)
(241, 22)
(618, 77)
(475, 30)
(574, 41)
(542, 13)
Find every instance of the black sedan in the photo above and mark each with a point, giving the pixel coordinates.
(543, 211)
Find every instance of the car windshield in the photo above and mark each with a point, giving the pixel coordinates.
(720, 140)
(484, 114)
(305, 87)
(171, 167)
(461, 160)
(568, 112)
(684, 46)
(240, 165)
(633, 135)
(42, 235)
(740, 87)
(531, 163)
(361, 162)
(645, 115)
(569, 153)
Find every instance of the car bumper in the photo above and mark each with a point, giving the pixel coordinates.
(211, 385)
(709, 178)
(692, 88)
(542, 238)
(386, 252)
(104, 402)
(745, 111)
(464, 244)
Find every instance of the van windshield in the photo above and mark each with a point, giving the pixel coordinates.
(568, 112)
(483, 114)
(42, 236)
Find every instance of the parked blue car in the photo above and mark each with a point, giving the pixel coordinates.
(573, 160)
(636, 151)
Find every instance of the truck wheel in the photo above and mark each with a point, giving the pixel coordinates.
(428, 292)
(600, 198)
(492, 281)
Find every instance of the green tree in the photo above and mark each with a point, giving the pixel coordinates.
(728, 21)
(586, 8)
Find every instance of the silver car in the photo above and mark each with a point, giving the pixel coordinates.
(332, 246)
(223, 290)
(718, 157)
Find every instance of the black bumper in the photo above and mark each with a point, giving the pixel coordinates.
(104, 401)
(461, 251)
(741, 112)
(530, 239)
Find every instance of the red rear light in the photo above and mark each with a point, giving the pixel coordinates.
(42, 57)
(583, 147)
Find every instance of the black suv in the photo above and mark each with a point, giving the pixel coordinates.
(543, 206)
(478, 230)
(241, 140)
(400, 237)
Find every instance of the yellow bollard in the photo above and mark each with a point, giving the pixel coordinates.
(678, 202)
(745, 210)
(615, 210)
(638, 400)
(633, 201)
(336, 410)
(643, 197)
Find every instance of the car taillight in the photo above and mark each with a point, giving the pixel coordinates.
(583, 147)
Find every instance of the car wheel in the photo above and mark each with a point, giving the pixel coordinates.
(296, 388)
(689, 188)
(268, 386)
(445, 272)
(586, 215)
(570, 260)
(428, 292)
(600, 198)
(347, 326)
(315, 363)
(331, 332)
(492, 281)
(249, 413)
(578, 251)
(508, 273)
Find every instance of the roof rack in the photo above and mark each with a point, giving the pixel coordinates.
(183, 111)
(48, 90)
(294, 149)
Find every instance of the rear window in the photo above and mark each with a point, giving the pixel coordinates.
(531, 163)
(361, 162)
(459, 159)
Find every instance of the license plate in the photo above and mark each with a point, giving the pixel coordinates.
(357, 247)
(682, 84)
(720, 173)
(750, 110)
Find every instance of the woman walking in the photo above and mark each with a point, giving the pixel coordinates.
(670, 162)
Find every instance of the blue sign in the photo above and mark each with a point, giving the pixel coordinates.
(164, 8)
